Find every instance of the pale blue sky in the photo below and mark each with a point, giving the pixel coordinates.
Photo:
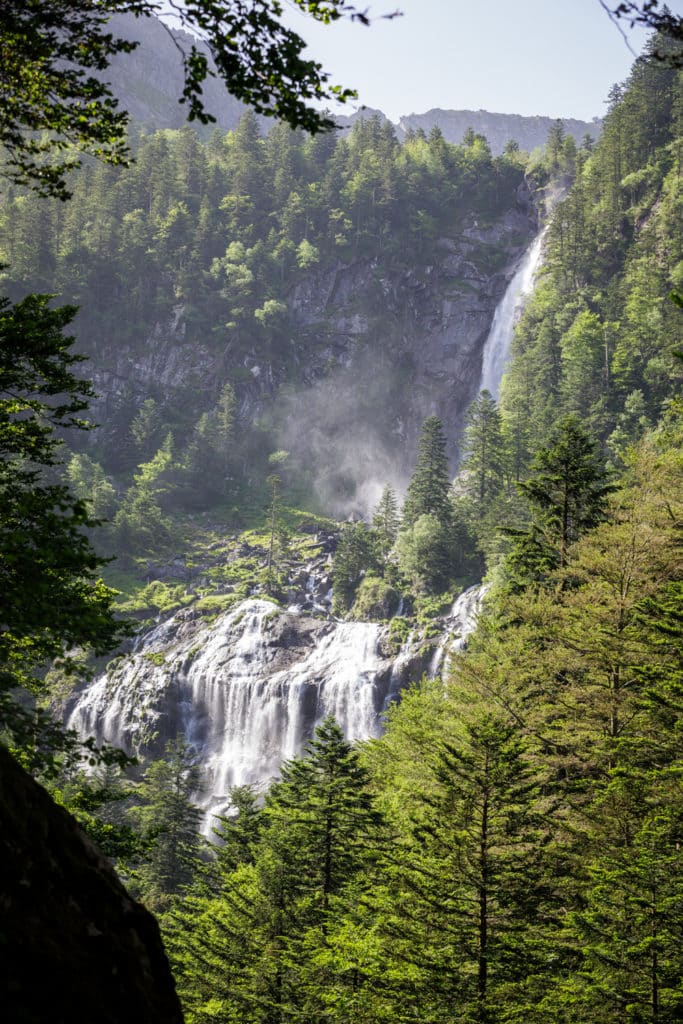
(553, 57)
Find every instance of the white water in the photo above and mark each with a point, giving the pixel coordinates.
(248, 690)
(246, 721)
(461, 621)
(508, 311)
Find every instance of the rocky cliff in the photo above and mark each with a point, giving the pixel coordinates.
(149, 81)
(371, 351)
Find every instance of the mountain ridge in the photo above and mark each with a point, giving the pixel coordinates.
(149, 81)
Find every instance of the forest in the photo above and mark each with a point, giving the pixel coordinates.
(510, 848)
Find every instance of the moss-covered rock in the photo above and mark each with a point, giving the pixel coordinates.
(376, 600)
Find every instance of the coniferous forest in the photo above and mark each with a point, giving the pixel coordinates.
(510, 848)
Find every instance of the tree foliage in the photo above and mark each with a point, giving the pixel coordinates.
(428, 491)
(54, 54)
(52, 598)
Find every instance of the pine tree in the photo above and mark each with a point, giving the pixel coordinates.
(483, 448)
(428, 491)
(385, 522)
(567, 493)
(554, 144)
(169, 819)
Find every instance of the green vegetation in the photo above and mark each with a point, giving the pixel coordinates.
(53, 106)
(509, 850)
(511, 846)
(54, 603)
(215, 239)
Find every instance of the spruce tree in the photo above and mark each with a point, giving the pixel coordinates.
(385, 522)
(428, 491)
(484, 450)
(567, 493)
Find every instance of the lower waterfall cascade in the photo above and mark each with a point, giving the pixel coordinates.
(247, 690)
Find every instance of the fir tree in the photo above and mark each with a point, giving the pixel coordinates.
(169, 820)
(255, 953)
(567, 493)
(239, 832)
(428, 491)
(353, 558)
(385, 522)
(483, 448)
(468, 886)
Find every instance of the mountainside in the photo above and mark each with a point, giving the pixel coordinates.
(499, 129)
(149, 82)
(289, 270)
(268, 320)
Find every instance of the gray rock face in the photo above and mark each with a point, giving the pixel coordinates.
(393, 350)
(149, 81)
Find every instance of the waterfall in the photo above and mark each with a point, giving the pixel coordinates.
(508, 310)
(461, 621)
(247, 690)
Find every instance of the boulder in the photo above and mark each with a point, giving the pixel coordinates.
(74, 947)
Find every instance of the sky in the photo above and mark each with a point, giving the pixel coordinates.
(553, 57)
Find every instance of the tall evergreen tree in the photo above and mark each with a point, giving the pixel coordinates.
(355, 554)
(170, 821)
(567, 493)
(467, 888)
(428, 491)
(385, 522)
(262, 950)
(483, 448)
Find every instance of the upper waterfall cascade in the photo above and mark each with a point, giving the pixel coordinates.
(247, 690)
(497, 345)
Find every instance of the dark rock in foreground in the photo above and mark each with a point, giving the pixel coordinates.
(74, 947)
